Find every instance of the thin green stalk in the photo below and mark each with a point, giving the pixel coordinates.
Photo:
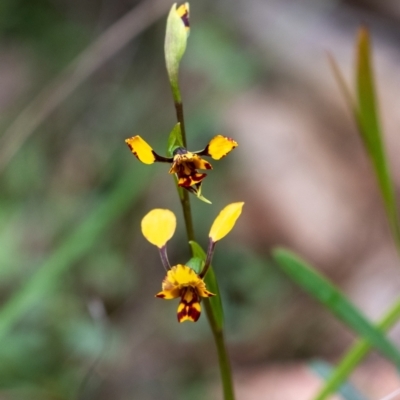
(183, 194)
(187, 214)
(355, 355)
(223, 358)
(179, 116)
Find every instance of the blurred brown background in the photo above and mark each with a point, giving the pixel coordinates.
(77, 279)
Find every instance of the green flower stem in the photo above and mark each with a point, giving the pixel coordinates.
(181, 120)
(223, 358)
(187, 214)
(355, 355)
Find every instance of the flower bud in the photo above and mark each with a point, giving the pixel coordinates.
(176, 36)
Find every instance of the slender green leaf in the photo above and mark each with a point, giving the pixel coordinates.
(327, 294)
(367, 117)
(346, 390)
(74, 247)
(212, 285)
(365, 111)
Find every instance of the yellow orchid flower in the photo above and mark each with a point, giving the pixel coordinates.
(184, 164)
(181, 281)
(158, 226)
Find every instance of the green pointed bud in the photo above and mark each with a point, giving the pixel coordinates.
(175, 139)
(176, 36)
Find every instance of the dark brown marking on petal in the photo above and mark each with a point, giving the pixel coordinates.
(185, 181)
(182, 314)
(132, 149)
(129, 145)
(189, 309)
(160, 296)
(197, 178)
(193, 313)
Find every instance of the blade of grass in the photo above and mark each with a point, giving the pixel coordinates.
(346, 389)
(74, 247)
(367, 118)
(344, 89)
(365, 111)
(355, 355)
(331, 297)
(370, 129)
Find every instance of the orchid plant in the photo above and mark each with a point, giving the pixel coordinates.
(193, 281)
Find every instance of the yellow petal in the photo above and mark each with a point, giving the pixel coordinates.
(199, 163)
(225, 221)
(158, 226)
(181, 275)
(202, 290)
(220, 146)
(141, 149)
(168, 294)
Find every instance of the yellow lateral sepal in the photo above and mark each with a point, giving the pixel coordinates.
(220, 146)
(225, 221)
(141, 149)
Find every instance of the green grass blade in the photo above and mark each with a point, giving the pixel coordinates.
(74, 247)
(346, 389)
(212, 285)
(331, 297)
(355, 355)
(367, 117)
